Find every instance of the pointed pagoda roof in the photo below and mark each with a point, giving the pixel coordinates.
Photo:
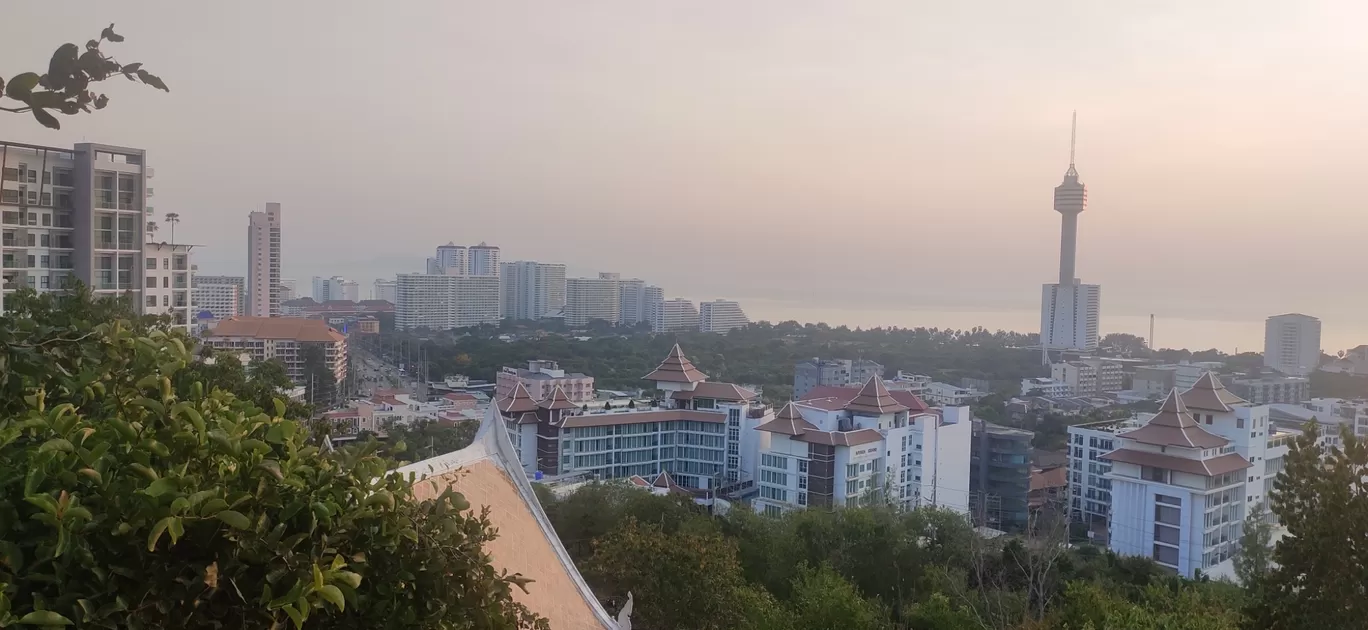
(557, 400)
(518, 401)
(676, 369)
(874, 398)
(787, 422)
(1174, 426)
(1208, 394)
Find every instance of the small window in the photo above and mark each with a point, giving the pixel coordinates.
(1239, 423)
(151, 301)
(33, 218)
(43, 282)
(151, 264)
(166, 300)
(151, 283)
(166, 282)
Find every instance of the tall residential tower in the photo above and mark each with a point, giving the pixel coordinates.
(1070, 310)
(263, 262)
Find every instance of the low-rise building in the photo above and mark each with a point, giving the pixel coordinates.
(842, 446)
(1041, 386)
(720, 316)
(836, 373)
(1272, 388)
(1000, 476)
(1089, 377)
(1353, 413)
(167, 288)
(1156, 381)
(281, 338)
(948, 395)
(542, 377)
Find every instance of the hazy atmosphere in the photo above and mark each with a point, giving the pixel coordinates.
(882, 159)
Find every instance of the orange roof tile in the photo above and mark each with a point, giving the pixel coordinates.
(1229, 462)
(1208, 394)
(874, 398)
(719, 391)
(676, 369)
(1174, 426)
(292, 328)
(557, 400)
(518, 401)
(904, 397)
(787, 422)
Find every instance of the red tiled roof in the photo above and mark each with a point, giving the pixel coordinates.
(846, 394)
(1052, 478)
(874, 398)
(459, 396)
(676, 369)
(787, 422)
(719, 391)
(1208, 394)
(557, 400)
(518, 401)
(291, 328)
(1174, 426)
(1229, 462)
(841, 438)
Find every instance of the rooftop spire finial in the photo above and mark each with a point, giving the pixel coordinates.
(1073, 137)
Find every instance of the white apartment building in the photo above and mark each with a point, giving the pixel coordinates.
(1041, 386)
(263, 262)
(588, 299)
(451, 259)
(1353, 413)
(702, 433)
(1089, 488)
(335, 288)
(1292, 343)
(1182, 482)
(1070, 315)
(1088, 377)
(530, 289)
(906, 382)
(77, 213)
(221, 300)
(281, 338)
(386, 290)
(484, 260)
(238, 281)
(720, 316)
(289, 289)
(945, 394)
(167, 285)
(443, 302)
(853, 450)
(675, 315)
(638, 302)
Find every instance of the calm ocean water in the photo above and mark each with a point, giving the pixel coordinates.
(1169, 332)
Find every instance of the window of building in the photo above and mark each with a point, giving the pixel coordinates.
(166, 282)
(1239, 423)
(151, 264)
(773, 510)
(1165, 534)
(45, 262)
(1167, 515)
(166, 300)
(802, 466)
(1165, 555)
(151, 301)
(33, 218)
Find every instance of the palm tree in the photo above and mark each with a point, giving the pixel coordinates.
(173, 218)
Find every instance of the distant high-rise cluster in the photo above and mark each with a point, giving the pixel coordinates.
(335, 288)
(1292, 344)
(263, 262)
(1070, 311)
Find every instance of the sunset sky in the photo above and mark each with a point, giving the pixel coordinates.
(892, 155)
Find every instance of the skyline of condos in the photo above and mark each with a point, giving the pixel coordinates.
(335, 288)
(531, 290)
(832, 373)
(476, 260)
(263, 261)
(675, 315)
(720, 316)
(1069, 310)
(589, 299)
(283, 339)
(541, 377)
(638, 302)
(1292, 343)
(167, 288)
(221, 299)
(443, 302)
(386, 290)
(215, 280)
(1183, 483)
(74, 213)
(843, 446)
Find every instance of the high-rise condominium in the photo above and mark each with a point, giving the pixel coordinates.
(676, 315)
(443, 302)
(484, 260)
(638, 302)
(289, 289)
(1070, 310)
(263, 262)
(589, 299)
(77, 213)
(237, 281)
(531, 290)
(386, 290)
(335, 288)
(1292, 343)
(459, 260)
(719, 316)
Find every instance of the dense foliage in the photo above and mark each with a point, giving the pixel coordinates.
(136, 494)
(858, 568)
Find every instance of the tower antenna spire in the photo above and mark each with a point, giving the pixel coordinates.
(1073, 137)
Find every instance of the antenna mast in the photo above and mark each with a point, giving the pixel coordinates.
(1073, 137)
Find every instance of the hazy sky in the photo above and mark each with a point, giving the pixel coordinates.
(883, 154)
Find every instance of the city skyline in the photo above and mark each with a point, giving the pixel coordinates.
(1179, 146)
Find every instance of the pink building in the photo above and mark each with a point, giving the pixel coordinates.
(541, 377)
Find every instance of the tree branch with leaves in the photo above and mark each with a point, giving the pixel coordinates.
(65, 87)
